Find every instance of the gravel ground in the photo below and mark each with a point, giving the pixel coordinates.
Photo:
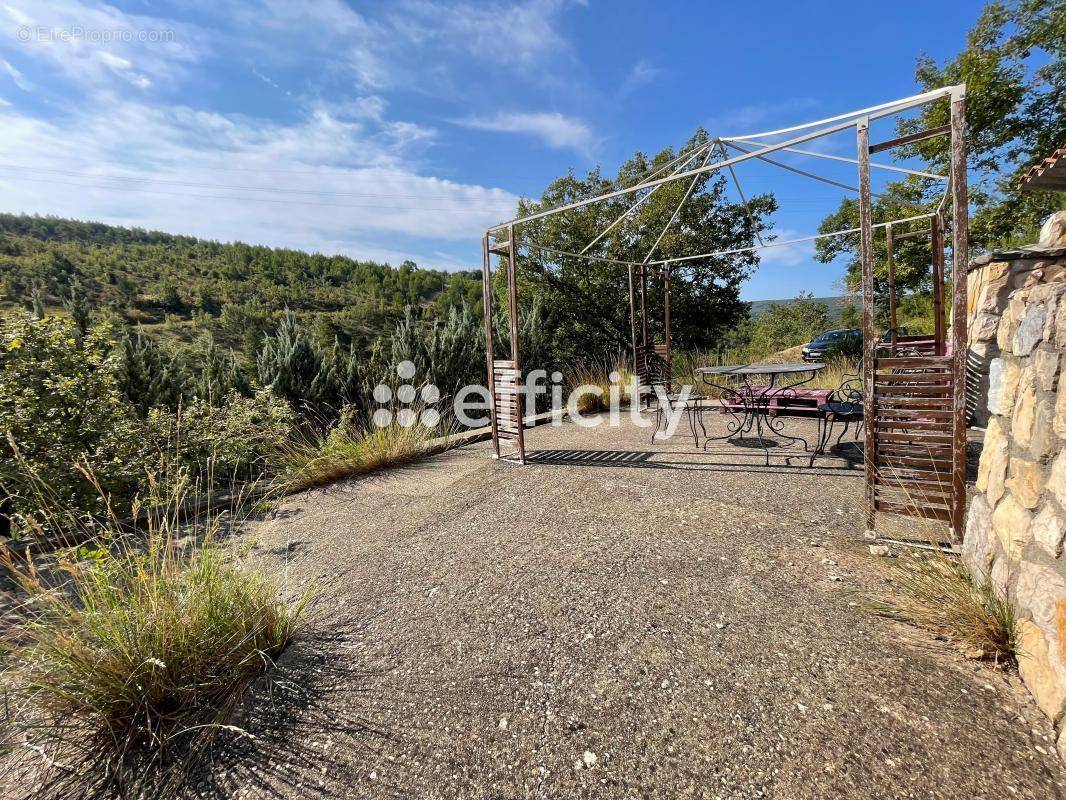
(615, 620)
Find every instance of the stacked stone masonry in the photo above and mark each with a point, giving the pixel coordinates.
(1017, 519)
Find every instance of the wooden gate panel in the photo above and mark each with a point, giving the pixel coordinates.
(913, 436)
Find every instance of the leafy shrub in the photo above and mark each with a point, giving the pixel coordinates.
(60, 405)
(65, 416)
(786, 325)
(222, 444)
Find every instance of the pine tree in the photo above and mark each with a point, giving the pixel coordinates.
(78, 306)
(36, 302)
(148, 377)
(220, 375)
(289, 365)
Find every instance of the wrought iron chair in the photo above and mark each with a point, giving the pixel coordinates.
(657, 385)
(845, 404)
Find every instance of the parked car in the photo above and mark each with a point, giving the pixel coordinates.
(900, 331)
(842, 339)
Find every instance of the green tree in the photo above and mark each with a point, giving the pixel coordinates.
(586, 303)
(1015, 73)
(289, 365)
(785, 325)
(78, 306)
(37, 302)
(220, 375)
(148, 377)
(61, 407)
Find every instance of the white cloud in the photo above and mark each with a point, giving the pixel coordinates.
(16, 76)
(356, 170)
(93, 45)
(512, 33)
(416, 45)
(326, 183)
(642, 74)
(788, 255)
(553, 129)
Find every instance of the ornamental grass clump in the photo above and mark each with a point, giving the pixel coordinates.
(350, 449)
(130, 652)
(939, 593)
(586, 379)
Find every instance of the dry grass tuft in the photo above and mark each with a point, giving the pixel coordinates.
(937, 592)
(129, 653)
(349, 451)
(599, 376)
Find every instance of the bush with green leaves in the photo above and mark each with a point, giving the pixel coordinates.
(61, 407)
(785, 325)
(224, 444)
(72, 406)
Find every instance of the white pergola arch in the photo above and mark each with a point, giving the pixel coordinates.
(889, 420)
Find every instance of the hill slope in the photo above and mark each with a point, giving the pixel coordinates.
(190, 285)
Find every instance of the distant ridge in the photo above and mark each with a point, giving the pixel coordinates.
(835, 304)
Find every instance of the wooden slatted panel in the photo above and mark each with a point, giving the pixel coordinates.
(506, 385)
(912, 432)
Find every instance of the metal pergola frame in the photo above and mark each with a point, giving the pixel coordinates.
(946, 373)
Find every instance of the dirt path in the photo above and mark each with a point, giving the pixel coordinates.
(625, 621)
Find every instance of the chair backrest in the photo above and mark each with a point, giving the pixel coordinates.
(849, 390)
(653, 366)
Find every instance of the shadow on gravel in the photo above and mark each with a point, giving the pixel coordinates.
(697, 461)
(286, 739)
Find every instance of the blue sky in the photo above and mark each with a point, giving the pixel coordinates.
(402, 129)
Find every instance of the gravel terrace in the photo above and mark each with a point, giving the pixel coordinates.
(615, 620)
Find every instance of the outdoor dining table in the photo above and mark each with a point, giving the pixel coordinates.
(749, 392)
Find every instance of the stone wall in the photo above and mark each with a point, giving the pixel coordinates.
(990, 283)
(1017, 520)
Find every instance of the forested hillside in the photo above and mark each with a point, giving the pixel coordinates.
(180, 287)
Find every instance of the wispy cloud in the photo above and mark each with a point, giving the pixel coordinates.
(418, 45)
(642, 74)
(788, 255)
(16, 76)
(337, 171)
(95, 45)
(554, 129)
(320, 183)
(746, 119)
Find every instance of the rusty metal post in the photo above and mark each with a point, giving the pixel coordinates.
(890, 268)
(486, 300)
(666, 310)
(939, 334)
(633, 318)
(644, 304)
(869, 336)
(960, 258)
(512, 297)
